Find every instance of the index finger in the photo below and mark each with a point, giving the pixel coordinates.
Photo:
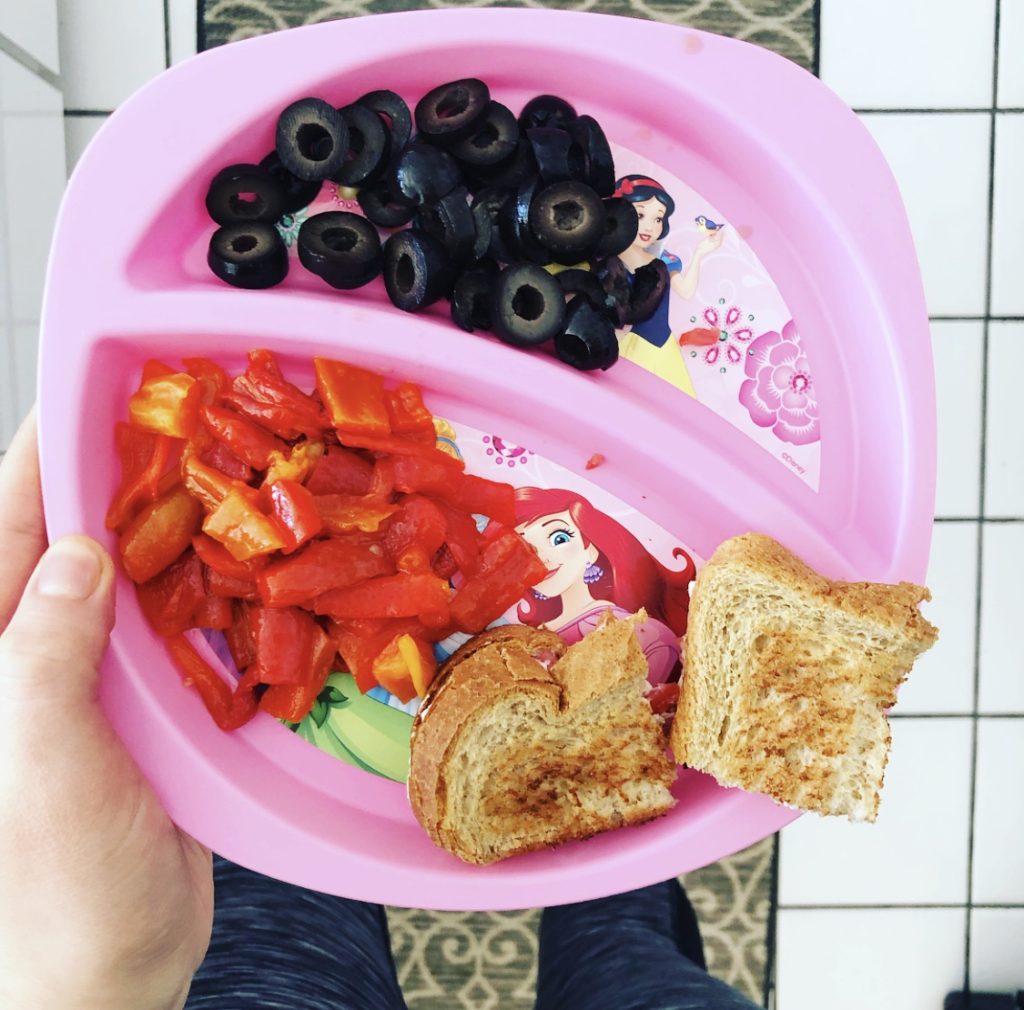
(22, 531)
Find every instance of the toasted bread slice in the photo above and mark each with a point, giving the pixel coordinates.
(522, 743)
(788, 677)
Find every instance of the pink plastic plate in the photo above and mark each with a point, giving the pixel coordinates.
(809, 417)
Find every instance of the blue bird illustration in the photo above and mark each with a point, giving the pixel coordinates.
(706, 225)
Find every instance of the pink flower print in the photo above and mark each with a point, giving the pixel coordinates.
(504, 453)
(779, 391)
(732, 338)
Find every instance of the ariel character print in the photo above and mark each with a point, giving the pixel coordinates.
(648, 344)
(596, 565)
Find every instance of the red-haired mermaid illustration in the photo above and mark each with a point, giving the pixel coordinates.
(595, 564)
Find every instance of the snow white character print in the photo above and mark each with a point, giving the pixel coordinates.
(650, 344)
(595, 565)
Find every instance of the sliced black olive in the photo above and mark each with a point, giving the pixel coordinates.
(494, 138)
(583, 282)
(341, 248)
(312, 139)
(558, 156)
(615, 281)
(381, 206)
(514, 222)
(298, 193)
(248, 255)
(423, 173)
(620, 227)
(472, 300)
(450, 221)
(369, 146)
(528, 306)
(600, 168)
(449, 112)
(486, 207)
(588, 339)
(546, 110)
(241, 193)
(567, 218)
(518, 167)
(649, 285)
(395, 113)
(416, 270)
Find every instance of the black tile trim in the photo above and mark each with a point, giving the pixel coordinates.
(88, 112)
(944, 110)
(200, 26)
(773, 912)
(985, 520)
(976, 319)
(815, 64)
(167, 33)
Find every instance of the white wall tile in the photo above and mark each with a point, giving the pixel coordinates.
(1004, 454)
(33, 179)
(1008, 216)
(921, 53)
(942, 680)
(883, 959)
(1011, 45)
(915, 853)
(78, 132)
(999, 814)
(32, 25)
(941, 165)
(181, 26)
(958, 348)
(25, 354)
(997, 949)
(1001, 659)
(109, 48)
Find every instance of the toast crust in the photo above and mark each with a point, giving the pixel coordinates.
(794, 704)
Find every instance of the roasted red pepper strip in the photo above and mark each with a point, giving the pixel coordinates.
(239, 637)
(663, 698)
(343, 514)
(218, 456)
(263, 395)
(284, 636)
(339, 471)
(159, 534)
(294, 702)
(207, 483)
(217, 557)
(406, 410)
(415, 533)
(386, 596)
(295, 512)
(405, 667)
(171, 599)
(197, 673)
(230, 586)
(354, 397)
(144, 456)
(403, 446)
(248, 441)
(297, 464)
(320, 567)
(461, 537)
(361, 642)
(508, 567)
(166, 402)
(210, 376)
(214, 612)
(437, 477)
(240, 526)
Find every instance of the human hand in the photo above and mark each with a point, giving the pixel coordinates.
(104, 903)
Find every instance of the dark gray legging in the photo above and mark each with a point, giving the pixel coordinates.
(278, 947)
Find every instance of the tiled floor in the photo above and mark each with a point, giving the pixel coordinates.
(891, 916)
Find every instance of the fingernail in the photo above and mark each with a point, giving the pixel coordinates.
(69, 569)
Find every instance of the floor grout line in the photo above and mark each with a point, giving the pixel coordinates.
(976, 688)
(29, 62)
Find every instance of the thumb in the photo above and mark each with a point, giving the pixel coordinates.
(58, 634)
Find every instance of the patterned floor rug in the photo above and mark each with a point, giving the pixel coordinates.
(487, 961)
